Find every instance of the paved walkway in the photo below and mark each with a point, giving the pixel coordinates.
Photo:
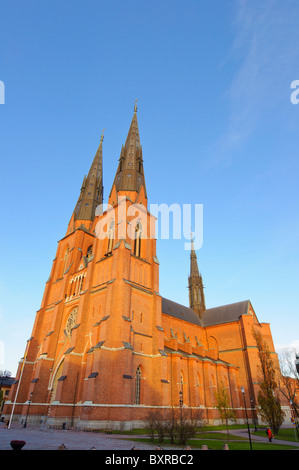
(73, 440)
(51, 439)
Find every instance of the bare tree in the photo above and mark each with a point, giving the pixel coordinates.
(288, 381)
(223, 406)
(268, 401)
(179, 424)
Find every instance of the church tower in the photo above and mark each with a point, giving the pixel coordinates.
(106, 348)
(196, 292)
(99, 325)
(49, 362)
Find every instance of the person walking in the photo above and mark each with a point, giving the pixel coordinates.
(269, 434)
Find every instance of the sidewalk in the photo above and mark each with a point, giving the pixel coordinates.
(51, 439)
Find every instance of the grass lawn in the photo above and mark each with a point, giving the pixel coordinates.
(284, 434)
(217, 444)
(210, 436)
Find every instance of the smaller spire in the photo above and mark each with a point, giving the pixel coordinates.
(196, 293)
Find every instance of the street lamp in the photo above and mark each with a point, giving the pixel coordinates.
(181, 397)
(29, 403)
(243, 393)
(181, 403)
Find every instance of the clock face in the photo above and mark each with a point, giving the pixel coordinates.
(71, 321)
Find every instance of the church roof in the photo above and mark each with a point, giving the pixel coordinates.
(211, 316)
(225, 313)
(180, 311)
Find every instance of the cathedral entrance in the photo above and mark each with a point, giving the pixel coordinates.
(55, 382)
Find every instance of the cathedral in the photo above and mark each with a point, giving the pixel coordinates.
(106, 348)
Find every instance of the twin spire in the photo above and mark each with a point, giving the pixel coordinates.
(130, 177)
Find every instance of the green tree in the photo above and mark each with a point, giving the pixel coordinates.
(268, 399)
(226, 413)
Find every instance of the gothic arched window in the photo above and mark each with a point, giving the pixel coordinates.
(137, 385)
(110, 236)
(137, 243)
(89, 252)
(63, 265)
(55, 381)
(71, 321)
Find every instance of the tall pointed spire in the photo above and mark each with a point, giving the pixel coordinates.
(130, 174)
(91, 194)
(196, 293)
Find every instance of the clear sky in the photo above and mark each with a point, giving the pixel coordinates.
(217, 128)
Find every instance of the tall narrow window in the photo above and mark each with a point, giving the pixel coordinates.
(89, 252)
(66, 256)
(137, 386)
(81, 284)
(111, 236)
(137, 244)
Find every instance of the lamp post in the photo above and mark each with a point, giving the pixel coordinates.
(181, 403)
(243, 393)
(181, 432)
(29, 403)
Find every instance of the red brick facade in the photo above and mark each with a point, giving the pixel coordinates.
(102, 349)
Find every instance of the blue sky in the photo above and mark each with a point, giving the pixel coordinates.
(216, 124)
